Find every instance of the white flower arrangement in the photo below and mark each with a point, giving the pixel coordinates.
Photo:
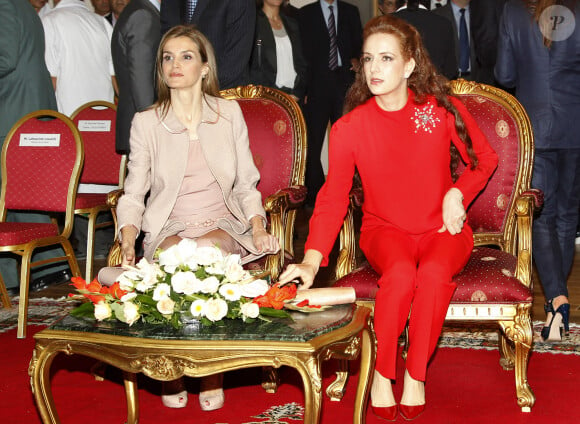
(187, 281)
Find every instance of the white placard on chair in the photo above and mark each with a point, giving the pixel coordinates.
(39, 140)
(94, 125)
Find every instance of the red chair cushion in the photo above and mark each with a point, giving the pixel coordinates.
(102, 163)
(488, 211)
(488, 277)
(14, 233)
(271, 132)
(38, 177)
(90, 200)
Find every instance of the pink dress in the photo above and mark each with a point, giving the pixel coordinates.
(200, 202)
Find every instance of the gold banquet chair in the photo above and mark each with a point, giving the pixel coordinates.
(496, 284)
(277, 134)
(41, 161)
(103, 166)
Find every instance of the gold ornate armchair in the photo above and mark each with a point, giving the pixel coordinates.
(277, 133)
(496, 284)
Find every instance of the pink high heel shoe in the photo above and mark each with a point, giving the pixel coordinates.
(211, 392)
(174, 394)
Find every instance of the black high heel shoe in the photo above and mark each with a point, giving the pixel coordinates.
(559, 324)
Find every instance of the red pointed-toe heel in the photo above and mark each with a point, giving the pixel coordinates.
(410, 412)
(388, 413)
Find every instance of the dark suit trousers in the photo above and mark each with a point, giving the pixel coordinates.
(324, 104)
(557, 174)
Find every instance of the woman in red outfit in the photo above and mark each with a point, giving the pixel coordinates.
(405, 134)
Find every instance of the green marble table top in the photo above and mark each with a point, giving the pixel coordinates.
(301, 328)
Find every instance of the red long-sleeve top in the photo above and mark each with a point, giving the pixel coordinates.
(403, 160)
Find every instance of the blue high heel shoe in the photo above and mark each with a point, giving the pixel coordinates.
(559, 324)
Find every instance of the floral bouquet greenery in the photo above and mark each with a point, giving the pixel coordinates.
(188, 282)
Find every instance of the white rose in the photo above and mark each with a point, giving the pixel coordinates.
(165, 305)
(186, 252)
(150, 274)
(231, 292)
(128, 280)
(216, 309)
(210, 285)
(197, 308)
(250, 310)
(254, 289)
(215, 268)
(181, 280)
(131, 312)
(178, 255)
(208, 255)
(168, 259)
(161, 290)
(128, 297)
(193, 286)
(233, 269)
(102, 311)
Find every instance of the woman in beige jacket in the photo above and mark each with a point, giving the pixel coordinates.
(190, 152)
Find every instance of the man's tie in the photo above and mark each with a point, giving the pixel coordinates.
(333, 55)
(189, 9)
(463, 44)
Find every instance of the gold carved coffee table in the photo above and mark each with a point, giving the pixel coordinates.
(164, 353)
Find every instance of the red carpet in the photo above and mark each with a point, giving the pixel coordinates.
(465, 386)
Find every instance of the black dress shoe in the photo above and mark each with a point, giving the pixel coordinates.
(43, 282)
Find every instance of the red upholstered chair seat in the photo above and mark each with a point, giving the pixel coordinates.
(90, 200)
(14, 233)
(488, 277)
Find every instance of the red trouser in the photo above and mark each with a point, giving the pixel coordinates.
(415, 270)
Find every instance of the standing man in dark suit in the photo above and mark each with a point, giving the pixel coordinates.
(228, 25)
(134, 46)
(437, 34)
(330, 74)
(482, 20)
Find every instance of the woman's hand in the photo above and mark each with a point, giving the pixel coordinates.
(128, 237)
(306, 271)
(453, 212)
(264, 241)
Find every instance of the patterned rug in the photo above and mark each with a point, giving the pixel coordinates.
(41, 311)
(45, 311)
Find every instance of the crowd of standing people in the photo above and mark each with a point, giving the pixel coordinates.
(164, 62)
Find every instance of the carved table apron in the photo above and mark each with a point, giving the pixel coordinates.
(165, 354)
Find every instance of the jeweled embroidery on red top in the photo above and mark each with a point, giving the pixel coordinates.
(425, 118)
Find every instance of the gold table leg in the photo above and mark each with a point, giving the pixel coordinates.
(132, 395)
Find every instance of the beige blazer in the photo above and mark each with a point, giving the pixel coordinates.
(157, 163)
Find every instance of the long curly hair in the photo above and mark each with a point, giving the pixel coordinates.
(424, 81)
(209, 85)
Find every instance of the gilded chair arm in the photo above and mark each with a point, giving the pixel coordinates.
(113, 197)
(346, 261)
(281, 209)
(114, 257)
(537, 196)
(526, 204)
(288, 198)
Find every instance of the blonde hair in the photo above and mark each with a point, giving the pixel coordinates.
(209, 85)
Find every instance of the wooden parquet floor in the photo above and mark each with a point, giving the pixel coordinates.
(326, 275)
